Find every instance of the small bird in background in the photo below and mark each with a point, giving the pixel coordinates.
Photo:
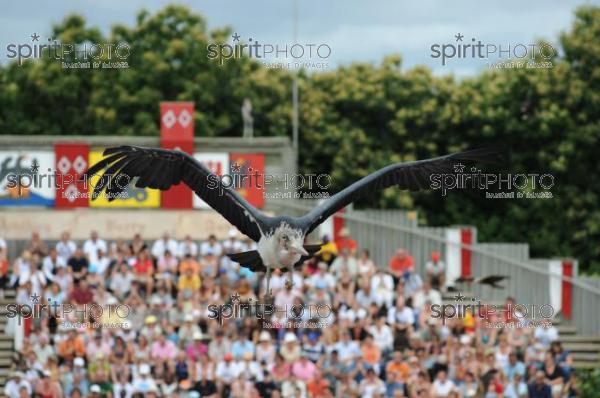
(490, 280)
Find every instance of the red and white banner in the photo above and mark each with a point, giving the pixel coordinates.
(72, 160)
(458, 259)
(177, 121)
(177, 132)
(248, 171)
(561, 291)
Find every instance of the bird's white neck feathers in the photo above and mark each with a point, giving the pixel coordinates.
(275, 249)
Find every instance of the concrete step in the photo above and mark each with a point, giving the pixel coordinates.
(582, 347)
(579, 339)
(585, 356)
(586, 365)
(566, 329)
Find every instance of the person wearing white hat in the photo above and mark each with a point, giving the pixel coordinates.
(290, 349)
(15, 383)
(265, 349)
(143, 381)
(95, 390)
(188, 329)
(76, 378)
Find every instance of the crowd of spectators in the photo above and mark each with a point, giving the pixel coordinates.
(375, 335)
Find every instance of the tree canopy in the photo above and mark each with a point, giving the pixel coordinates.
(353, 119)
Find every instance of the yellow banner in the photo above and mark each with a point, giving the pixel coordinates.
(131, 197)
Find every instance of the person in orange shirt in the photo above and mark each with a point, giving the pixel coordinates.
(400, 263)
(346, 242)
(371, 353)
(144, 270)
(189, 263)
(318, 386)
(71, 347)
(397, 368)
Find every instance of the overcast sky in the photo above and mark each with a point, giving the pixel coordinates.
(355, 30)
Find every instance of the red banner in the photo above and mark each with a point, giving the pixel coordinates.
(248, 171)
(466, 238)
(178, 196)
(71, 162)
(177, 132)
(177, 121)
(567, 290)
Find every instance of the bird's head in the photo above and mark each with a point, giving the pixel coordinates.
(290, 239)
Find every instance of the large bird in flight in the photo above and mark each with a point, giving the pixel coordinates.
(281, 238)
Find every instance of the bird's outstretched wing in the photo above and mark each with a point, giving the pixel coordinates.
(410, 175)
(161, 169)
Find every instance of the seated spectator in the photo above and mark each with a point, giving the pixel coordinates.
(304, 369)
(347, 349)
(242, 346)
(514, 367)
(397, 372)
(435, 269)
(290, 349)
(72, 346)
(93, 245)
(426, 294)
(226, 373)
(382, 289)
(382, 335)
(344, 262)
(137, 245)
(15, 384)
(81, 294)
(328, 252)
(37, 245)
(163, 350)
(211, 246)
(143, 381)
(371, 386)
(78, 265)
(442, 386)
(189, 285)
(187, 247)
(166, 269)
(143, 270)
(516, 388)
(65, 247)
(346, 242)
(366, 266)
(400, 263)
(555, 375)
(322, 279)
(545, 335)
(51, 263)
(164, 244)
(371, 354)
(538, 388)
(121, 280)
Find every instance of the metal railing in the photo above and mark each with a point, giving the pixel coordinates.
(529, 281)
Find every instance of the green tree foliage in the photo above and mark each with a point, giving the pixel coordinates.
(354, 119)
